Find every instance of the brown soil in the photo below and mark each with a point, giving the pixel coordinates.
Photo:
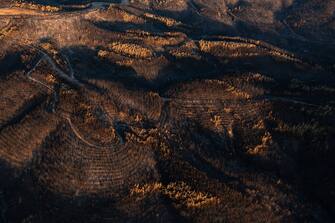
(167, 111)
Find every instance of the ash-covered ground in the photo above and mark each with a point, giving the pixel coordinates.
(167, 111)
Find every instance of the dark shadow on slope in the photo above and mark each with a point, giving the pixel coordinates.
(18, 200)
(87, 65)
(179, 68)
(188, 69)
(10, 63)
(123, 26)
(315, 51)
(68, 2)
(199, 148)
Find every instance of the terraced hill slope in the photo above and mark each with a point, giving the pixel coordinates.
(167, 111)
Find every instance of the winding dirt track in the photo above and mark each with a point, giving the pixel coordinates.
(20, 11)
(16, 11)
